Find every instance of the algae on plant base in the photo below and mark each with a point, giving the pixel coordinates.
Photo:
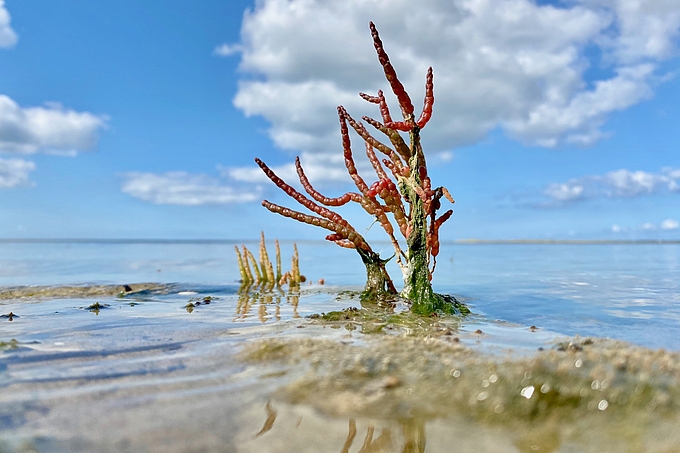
(374, 320)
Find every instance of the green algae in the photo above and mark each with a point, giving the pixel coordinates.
(97, 306)
(394, 316)
(375, 320)
(205, 300)
(11, 344)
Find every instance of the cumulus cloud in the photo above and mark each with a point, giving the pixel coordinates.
(512, 64)
(15, 173)
(50, 128)
(579, 119)
(642, 29)
(666, 225)
(565, 192)
(8, 37)
(670, 224)
(322, 170)
(185, 189)
(615, 184)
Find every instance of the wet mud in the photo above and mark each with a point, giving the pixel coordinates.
(37, 293)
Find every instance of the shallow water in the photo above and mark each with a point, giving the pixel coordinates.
(145, 373)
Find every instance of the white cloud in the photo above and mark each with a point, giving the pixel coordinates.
(8, 37)
(51, 129)
(507, 63)
(564, 192)
(15, 173)
(626, 183)
(321, 170)
(185, 189)
(225, 50)
(666, 225)
(643, 29)
(615, 184)
(670, 224)
(578, 120)
(299, 112)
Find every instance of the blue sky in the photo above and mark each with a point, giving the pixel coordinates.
(134, 119)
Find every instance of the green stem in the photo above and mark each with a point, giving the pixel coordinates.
(417, 278)
(379, 285)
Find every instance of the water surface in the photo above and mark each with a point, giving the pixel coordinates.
(141, 371)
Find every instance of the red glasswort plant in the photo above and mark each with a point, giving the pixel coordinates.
(402, 194)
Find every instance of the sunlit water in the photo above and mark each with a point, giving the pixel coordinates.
(144, 373)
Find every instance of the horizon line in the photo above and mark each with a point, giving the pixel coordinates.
(464, 241)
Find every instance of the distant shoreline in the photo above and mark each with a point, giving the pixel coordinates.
(566, 241)
(468, 241)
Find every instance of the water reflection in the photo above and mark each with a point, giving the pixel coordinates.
(382, 443)
(593, 432)
(265, 298)
(350, 435)
(412, 439)
(269, 422)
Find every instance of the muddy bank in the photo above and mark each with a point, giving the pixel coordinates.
(589, 394)
(84, 291)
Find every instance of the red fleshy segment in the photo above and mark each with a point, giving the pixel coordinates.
(387, 190)
(384, 108)
(347, 151)
(375, 162)
(369, 203)
(376, 188)
(316, 195)
(345, 232)
(444, 217)
(434, 232)
(342, 242)
(422, 172)
(447, 195)
(399, 126)
(369, 98)
(304, 201)
(399, 145)
(391, 75)
(427, 186)
(434, 246)
(391, 167)
(426, 114)
(368, 138)
(382, 187)
(421, 193)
